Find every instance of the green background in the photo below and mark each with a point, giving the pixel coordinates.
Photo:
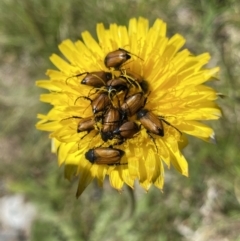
(204, 206)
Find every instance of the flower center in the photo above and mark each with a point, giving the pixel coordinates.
(118, 100)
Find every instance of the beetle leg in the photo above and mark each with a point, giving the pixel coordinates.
(153, 139)
(99, 78)
(74, 116)
(130, 53)
(119, 142)
(168, 123)
(84, 135)
(118, 164)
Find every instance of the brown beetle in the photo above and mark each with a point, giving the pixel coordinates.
(111, 120)
(104, 155)
(86, 124)
(96, 79)
(116, 58)
(133, 103)
(136, 80)
(132, 76)
(126, 131)
(116, 85)
(142, 82)
(152, 123)
(99, 103)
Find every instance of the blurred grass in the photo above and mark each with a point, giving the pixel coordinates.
(30, 31)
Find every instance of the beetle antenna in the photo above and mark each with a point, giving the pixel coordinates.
(131, 80)
(66, 81)
(84, 97)
(131, 53)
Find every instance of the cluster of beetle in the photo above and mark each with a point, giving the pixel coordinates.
(116, 100)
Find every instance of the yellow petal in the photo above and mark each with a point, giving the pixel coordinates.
(85, 178)
(60, 63)
(115, 180)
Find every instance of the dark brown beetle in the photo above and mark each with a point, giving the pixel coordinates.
(152, 123)
(96, 79)
(116, 58)
(134, 77)
(111, 120)
(86, 124)
(126, 131)
(117, 85)
(104, 155)
(99, 103)
(133, 104)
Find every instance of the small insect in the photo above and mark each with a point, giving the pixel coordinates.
(132, 76)
(125, 131)
(96, 79)
(116, 58)
(99, 103)
(104, 155)
(152, 123)
(135, 79)
(86, 124)
(111, 120)
(117, 85)
(111, 87)
(142, 82)
(133, 104)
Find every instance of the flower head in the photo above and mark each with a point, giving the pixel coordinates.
(122, 106)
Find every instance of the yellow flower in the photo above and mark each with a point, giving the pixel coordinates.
(175, 101)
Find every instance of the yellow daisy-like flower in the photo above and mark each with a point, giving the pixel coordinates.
(129, 130)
